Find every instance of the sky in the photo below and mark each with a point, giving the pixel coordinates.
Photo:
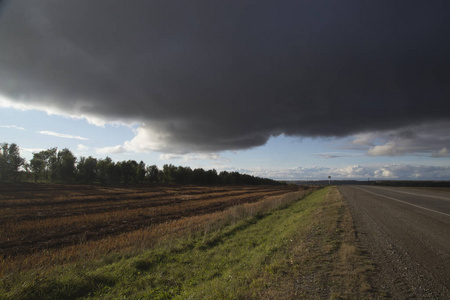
(292, 90)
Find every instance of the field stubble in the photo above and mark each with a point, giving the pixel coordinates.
(47, 225)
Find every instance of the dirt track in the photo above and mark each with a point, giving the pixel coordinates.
(407, 235)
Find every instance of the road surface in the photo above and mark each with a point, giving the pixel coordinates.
(407, 234)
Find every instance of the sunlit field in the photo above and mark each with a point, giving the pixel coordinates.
(43, 224)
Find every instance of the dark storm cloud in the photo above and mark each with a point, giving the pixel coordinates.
(418, 140)
(217, 75)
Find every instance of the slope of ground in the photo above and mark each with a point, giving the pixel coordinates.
(305, 249)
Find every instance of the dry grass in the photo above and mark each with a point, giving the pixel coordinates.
(350, 269)
(325, 261)
(30, 223)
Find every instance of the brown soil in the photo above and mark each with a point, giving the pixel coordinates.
(36, 217)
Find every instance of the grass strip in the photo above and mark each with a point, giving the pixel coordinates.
(306, 249)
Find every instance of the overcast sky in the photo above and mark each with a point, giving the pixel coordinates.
(285, 89)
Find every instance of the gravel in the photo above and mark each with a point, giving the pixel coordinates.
(410, 247)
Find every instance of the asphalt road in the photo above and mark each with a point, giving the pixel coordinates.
(406, 232)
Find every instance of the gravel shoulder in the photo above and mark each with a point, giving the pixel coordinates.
(409, 246)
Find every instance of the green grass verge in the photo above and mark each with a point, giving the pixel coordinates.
(272, 255)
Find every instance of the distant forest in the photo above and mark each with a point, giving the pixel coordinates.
(62, 166)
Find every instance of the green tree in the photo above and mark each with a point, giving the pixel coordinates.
(169, 173)
(67, 169)
(62, 166)
(40, 163)
(140, 172)
(10, 161)
(211, 177)
(198, 176)
(224, 178)
(104, 170)
(183, 175)
(152, 174)
(115, 172)
(38, 166)
(87, 170)
(129, 171)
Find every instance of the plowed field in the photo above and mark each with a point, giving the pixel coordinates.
(38, 217)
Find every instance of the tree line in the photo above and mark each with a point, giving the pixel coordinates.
(61, 166)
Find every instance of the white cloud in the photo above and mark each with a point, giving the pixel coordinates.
(190, 156)
(7, 103)
(82, 147)
(420, 140)
(13, 127)
(156, 137)
(63, 135)
(149, 139)
(168, 156)
(441, 153)
(111, 150)
(385, 173)
(145, 139)
(186, 158)
(332, 155)
(388, 149)
(363, 139)
(358, 172)
(32, 150)
(75, 113)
